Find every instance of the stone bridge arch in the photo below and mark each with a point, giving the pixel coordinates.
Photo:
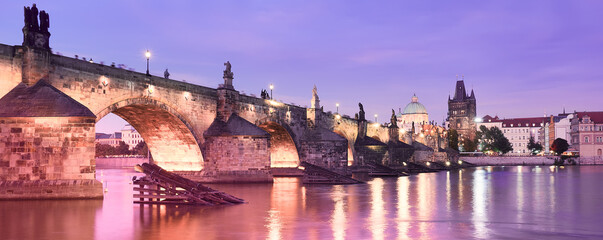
(172, 141)
(284, 148)
(351, 137)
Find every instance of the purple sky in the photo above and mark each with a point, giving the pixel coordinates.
(522, 58)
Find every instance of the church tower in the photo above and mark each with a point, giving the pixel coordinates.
(461, 111)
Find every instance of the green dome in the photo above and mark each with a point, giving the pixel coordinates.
(414, 107)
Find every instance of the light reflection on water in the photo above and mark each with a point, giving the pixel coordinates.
(480, 203)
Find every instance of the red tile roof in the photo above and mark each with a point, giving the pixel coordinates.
(532, 122)
(596, 117)
(524, 122)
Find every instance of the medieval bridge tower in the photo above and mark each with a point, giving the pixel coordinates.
(462, 111)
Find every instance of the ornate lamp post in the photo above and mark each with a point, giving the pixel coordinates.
(376, 117)
(148, 55)
(271, 87)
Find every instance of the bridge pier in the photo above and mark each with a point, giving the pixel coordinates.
(46, 145)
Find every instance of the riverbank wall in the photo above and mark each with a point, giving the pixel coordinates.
(508, 160)
(119, 162)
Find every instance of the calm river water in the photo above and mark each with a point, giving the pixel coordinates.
(478, 203)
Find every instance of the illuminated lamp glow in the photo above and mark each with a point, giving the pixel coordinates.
(428, 163)
(460, 162)
(447, 163)
(104, 80)
(301, 168)
(151, 89)
(404, 163)
(274, 103)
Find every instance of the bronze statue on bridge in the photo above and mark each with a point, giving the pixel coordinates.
(361, 113)
(228, 73)
(394, 119)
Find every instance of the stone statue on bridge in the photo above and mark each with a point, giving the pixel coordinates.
(393, 120)
(31, 17)
(44, 22)
(166, 74)
(34, 34)
(228, 73)
(361, 113)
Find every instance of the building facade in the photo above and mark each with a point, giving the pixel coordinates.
(517, 130)
(587, 134)
(130, 136)
(462, 111)
(111, 139)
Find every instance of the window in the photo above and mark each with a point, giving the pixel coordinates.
(586, 139)
(599, 152)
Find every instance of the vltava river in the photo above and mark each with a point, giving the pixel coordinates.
(479, 203)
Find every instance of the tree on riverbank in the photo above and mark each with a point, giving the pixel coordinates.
(559, 146)
(453, 139)
(533, 146)
(469, 145)
(122, 149)
(493, 139)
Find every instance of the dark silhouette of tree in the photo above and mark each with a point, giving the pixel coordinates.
(469, 145)
(493, 139)
(122, 149)
(559, 146)
(533, 146)
(104, 150)
(453, 139)
(140, 149)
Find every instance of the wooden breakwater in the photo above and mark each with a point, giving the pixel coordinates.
(162, 187)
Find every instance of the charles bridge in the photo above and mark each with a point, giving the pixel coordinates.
(50, 103)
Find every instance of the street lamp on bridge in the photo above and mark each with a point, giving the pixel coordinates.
(337, 105)
(148, 55)
(271, 87)
(376, 117)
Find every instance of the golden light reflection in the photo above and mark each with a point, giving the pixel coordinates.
(377, 221)
(338, 220)
(520, 196)
(552, 198)
(284, 201)
(461, 190)
(480, 192)
(403, 208)
(448, 193)
(274, 225)
(426, 203)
